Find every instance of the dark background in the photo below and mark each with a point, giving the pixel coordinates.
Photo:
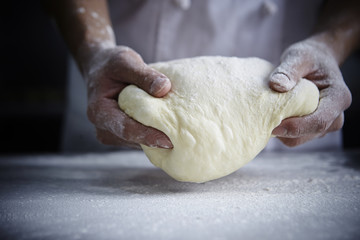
(33, 81)
(33, 78)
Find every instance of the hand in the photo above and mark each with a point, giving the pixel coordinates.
(108, 72)
(313, 60)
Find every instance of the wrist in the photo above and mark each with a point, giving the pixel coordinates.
(339, 43)
(89, 54)
(339, 28)
(329, 43)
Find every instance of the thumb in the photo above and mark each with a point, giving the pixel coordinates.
(293, 67)
(153, 82)
(131, 69)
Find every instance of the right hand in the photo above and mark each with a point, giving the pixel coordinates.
(108, 72)
(313, 60)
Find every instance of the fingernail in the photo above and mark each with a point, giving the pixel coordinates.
(164, 142)
(279, 131)
(159, 84)
(281, 82)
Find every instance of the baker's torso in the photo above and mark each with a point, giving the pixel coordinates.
(161, 30)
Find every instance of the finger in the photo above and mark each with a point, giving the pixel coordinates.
(106, 115)
(293, 142)
(316, 123)
(108, 138)
(293, 67)
(131, 69)
(333, 101)
(295, 127)
(134, 131)
(153, 82)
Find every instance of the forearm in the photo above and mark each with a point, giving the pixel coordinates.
(339, 28)
(84, 25)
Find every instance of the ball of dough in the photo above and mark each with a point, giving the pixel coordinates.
(219, 114)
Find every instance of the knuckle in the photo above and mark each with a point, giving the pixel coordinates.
(126, 134)
(126, 131)
(93, 109)
(321, 126)
(123, 62)
(294, 129)
(295, 51)
(127, 52)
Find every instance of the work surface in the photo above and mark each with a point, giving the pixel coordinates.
(122, 196)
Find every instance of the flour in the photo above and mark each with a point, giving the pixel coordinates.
(80, 10)
(95, 15)
(109, 195)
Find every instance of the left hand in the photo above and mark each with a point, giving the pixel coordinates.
(314, 61)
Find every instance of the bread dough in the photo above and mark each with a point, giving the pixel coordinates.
(219, 114)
